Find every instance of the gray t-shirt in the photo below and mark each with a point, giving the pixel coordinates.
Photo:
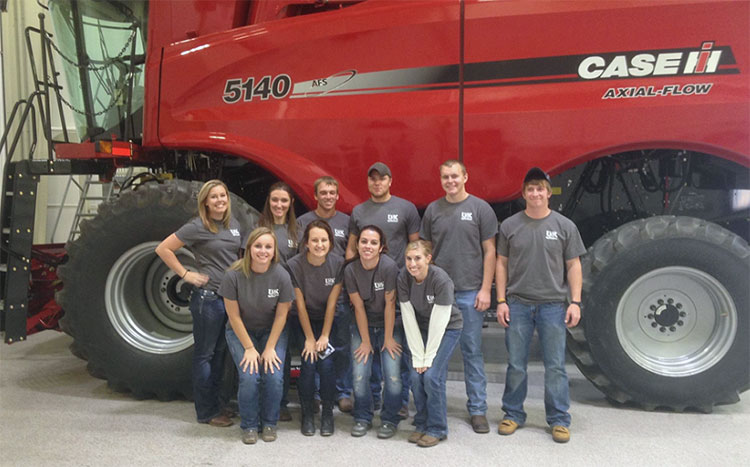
(315, 282)
(372, 286)
(396, 217)
(214, 252)
(339, 225)
(457, 231)
(537, 250)
(258, 294)
(435, 289)
(287, 246)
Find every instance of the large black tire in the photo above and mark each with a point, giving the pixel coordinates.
(127, 311)
(665, 315)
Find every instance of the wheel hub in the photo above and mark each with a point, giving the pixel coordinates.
(147, 304)
(676, 321)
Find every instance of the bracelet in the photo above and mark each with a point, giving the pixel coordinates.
(573, 302)
(501, 301)
(184, 274)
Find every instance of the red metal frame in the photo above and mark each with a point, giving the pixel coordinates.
(506, 128)
(498, 124)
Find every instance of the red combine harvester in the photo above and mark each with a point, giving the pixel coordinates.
(639, 109)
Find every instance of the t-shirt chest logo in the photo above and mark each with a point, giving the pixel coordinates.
(234, 232)
(430, 299)
(339, 233)
(291, 243)
(393, 218)
(329, 281)
(273, 293)
(378, 286)
(467, 216)
(551, 235)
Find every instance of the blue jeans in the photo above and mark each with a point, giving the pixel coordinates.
(259, 394)
(323, 367)
(429, 388)
(341, 341)
(549, 320)
(376, 378)
(471, 350)
(209, 319)
(363, 408)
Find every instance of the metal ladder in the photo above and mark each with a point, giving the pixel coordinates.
(83, 210)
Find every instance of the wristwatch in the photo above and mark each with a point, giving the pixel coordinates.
(573, 302)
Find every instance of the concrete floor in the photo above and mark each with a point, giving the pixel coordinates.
(53, 413)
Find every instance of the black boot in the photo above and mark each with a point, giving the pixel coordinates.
(308, 419)
(326, 419)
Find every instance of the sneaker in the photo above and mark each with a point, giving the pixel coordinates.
(269, 434)
(428, 441)
(285, 415)
(360, 428)
(345, 404)
(404, 412)
(387, 430)
(415, 437)
(221, 421)
(560, 434)
(250, 436)
(507, 427)
(479, 424)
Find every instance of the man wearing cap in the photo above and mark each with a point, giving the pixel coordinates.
(462, 229)
(397, 217)
(537, 250)
(399, 220)
(327, 194)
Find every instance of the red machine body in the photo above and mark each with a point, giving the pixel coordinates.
(500, 85)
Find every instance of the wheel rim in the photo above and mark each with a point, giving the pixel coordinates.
(676, 321)
(147, 304)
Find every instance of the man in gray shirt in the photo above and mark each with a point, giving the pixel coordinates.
(399, 221)
(462, 229)
(327, 194)
(537, 250)
(396, 217)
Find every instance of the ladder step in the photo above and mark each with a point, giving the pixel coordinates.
(95, 198)
(6, 230)
(3, 268)
(86, 215)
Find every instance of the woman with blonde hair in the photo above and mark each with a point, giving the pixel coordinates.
(432, 325)
(215, 239)
(257, 295)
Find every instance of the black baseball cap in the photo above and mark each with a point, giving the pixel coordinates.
(535, 173)
(380, 168)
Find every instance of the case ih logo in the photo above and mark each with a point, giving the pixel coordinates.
(657, 63)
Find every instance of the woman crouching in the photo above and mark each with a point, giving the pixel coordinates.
(257, 295)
